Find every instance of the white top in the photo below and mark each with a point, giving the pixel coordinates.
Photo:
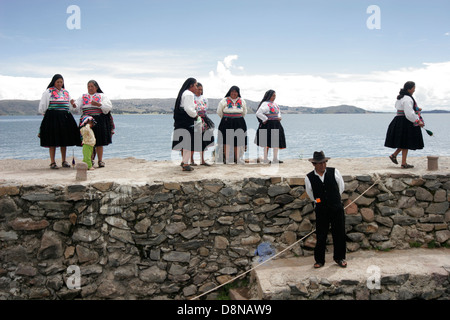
(54, 95)
(228, 105)
(201, 103)
(268, 108)
(337, 175)
(188, 104)
(406, 104)
(84, 102)
(88, 135)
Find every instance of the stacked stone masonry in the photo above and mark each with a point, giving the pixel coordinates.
(179, 240)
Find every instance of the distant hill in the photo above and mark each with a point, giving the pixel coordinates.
(165, 106)
(436, 111)
(326, 110)
(18, 107)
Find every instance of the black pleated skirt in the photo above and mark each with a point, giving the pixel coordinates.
(403, 134)
(271, 134)
(59, 129)
(103, 129)
(183, 139)
(232, 131)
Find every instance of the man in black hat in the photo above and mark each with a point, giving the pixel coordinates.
(324, 186)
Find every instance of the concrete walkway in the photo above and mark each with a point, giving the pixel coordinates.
(276, 278)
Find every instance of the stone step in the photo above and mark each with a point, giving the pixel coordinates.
(370, 275)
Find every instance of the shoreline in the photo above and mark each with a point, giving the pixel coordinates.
(139, 171)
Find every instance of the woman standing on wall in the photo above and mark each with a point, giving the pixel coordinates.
(232, 128)
(270, 133)
(185, 115)
(404, 132)
(96, 104)
(207, 132)
(58, 127)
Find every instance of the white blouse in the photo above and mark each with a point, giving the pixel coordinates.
(406, 104)
(266, 109)
(188, 104)
(54, 95)
(85, 102)
(228, 105)
(201, 104)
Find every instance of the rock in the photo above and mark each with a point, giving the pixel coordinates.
(367, 214)
(295, 181)
(63, 226)
(69, 252)
(172, 185)
(236, 208)
(395, 185)
(440, 195)
(275, 190)
(190, 233)
(25, 270)
(442, 236)
(221, 242)
(8, 235)
(121, 235)
(213, 187)
(9, 190)
(355, 236)
(28, 224)
(367, 228)
(117, 223)
(175, 256)
(51, 246)
(350, 208)
(251, 240)
(403, 220)
(437, 208)
(175, 227)
(423, 194)
(153, 274)
(84, 254)
(7, 207)
(39, 197)
(85, 235)
(284, 199)
(395, 279)
(107, 289)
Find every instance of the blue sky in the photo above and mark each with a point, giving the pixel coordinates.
(313, 53)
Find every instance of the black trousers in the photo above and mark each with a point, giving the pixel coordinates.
(326, 217)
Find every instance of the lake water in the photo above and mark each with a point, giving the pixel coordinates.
(149, 136)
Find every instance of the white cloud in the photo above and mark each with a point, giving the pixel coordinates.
(159, 75)
(375, 91)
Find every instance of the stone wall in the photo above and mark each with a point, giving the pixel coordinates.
(178, 240)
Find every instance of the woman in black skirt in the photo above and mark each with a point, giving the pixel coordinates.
(270, 133)
(404, 132)
(185, 116)
(58, 127)
(96, 104)
(232, 132)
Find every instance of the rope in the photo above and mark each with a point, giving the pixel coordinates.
(279, 253)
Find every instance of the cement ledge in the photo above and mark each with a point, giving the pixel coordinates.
(293, 278)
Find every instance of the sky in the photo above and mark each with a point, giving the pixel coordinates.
(312, 53)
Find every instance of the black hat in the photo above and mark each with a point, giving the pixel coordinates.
(319, 157)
